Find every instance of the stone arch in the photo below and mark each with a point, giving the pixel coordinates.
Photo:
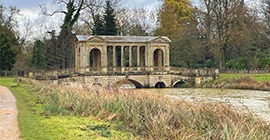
(136, 83)
(158, 58)
(95, 59)
(181, 84)
(160, 85)
(127, 82)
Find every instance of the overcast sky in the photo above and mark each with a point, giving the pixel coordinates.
(30, 14)
(32, 4)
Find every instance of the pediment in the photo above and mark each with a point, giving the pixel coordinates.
(96, 39)
(161, 40)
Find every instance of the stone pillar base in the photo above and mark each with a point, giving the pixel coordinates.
(123, 69)
(198, 81)
(167, 68)
(104, 70)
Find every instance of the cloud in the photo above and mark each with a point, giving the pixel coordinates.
(149, 4)
(30, 17)
(24, 4)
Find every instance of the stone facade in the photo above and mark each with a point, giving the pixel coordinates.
(143, 61)
(103, 54)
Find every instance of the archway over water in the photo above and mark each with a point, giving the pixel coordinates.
(128, 83)
(181, 84)
(160, 85)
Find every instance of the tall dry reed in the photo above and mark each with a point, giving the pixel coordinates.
(154, 116)
(245, 82)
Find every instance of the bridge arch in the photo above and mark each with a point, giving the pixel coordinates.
(129, 81)
(136, 83)
(181, 84)
(160, 85)
(95, 59)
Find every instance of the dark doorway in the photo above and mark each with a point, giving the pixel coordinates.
(158, 58)
(95, 59)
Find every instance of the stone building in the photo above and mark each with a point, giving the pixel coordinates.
(104, 54)
(143, 61)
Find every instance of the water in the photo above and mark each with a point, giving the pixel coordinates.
(256, 102)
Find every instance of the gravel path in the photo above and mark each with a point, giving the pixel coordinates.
(8, 115)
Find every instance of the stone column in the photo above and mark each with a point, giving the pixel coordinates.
(167, 55)
(167, 58)
(78, 58)
(138, 59)
(104, 61)
(114, 56)
(122, 59)
(138, 56)
(160, 60)
(142, 56)
(84, 57)
(130, 56)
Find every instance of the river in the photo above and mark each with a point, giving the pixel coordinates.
(257, 102)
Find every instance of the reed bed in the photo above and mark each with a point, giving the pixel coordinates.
(244, 82)
(153, 116)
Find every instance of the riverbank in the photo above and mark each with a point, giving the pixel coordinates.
(152, 116)
(77, 111)
(35, 124)
(241, 81)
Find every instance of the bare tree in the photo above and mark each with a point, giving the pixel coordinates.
(266, 12)
(64, 44)
(222, 21)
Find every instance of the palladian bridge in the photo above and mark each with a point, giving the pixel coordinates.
(143, 61)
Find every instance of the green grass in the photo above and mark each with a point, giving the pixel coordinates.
(154, 116)
(34, 125)
(257, 77)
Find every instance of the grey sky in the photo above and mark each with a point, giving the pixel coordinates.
(29, 4)
(30, 14)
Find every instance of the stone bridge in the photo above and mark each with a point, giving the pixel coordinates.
(177, 77)
(139, 81)
(143, 61)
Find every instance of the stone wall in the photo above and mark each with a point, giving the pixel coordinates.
(139, 79)
(246, 71)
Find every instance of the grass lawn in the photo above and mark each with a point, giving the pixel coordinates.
(257, 77)
(34, 125)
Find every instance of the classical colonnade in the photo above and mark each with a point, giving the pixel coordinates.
(99, 55)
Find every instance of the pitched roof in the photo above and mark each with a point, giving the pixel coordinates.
(135, 39)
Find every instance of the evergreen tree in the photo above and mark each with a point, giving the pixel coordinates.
(7, 56)
(8, 48)
(98, 26)
(109, 20)
(37, 56)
